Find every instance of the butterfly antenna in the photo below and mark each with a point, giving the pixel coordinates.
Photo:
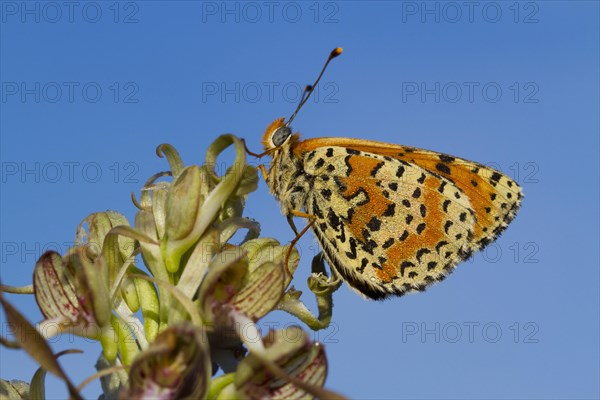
(310, 88)
(306, 92)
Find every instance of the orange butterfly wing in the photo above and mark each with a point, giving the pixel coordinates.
(494, 197)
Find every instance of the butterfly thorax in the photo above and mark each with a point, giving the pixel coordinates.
(287, 180)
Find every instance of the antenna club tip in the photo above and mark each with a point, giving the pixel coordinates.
(336, 52)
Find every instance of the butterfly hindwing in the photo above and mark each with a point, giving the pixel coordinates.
(386, 225)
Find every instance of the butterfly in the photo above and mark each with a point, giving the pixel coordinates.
(390, 219)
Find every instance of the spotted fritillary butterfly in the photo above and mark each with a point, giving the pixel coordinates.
(391, 219)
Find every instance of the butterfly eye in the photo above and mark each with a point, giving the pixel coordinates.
(280, 135)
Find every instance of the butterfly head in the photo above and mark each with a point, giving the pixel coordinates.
(277, 134)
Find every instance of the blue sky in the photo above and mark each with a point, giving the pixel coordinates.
(90, 89)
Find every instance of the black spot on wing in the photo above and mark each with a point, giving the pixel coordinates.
(421, 252)
(447, 226)
(352, 253)
(339, 184)
(363, 264)
(445, 205)
(347, 162)
(400, 171)
(326, 193)
(356, 194)
(374, 224)
(439, 245)
(446, 158)
(377, 168)
(390, 211)
(404, 265)
(369, 246)
(333, 219)
(350, 215)
(342, 236)
(443, 168)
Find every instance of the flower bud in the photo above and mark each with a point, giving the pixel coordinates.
(175, 366)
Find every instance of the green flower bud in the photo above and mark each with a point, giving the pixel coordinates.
(183, 214)
(74, 294)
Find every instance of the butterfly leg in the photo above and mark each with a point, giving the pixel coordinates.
(248, 151)
(290, 220)
(311, 220)
(262, 169)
